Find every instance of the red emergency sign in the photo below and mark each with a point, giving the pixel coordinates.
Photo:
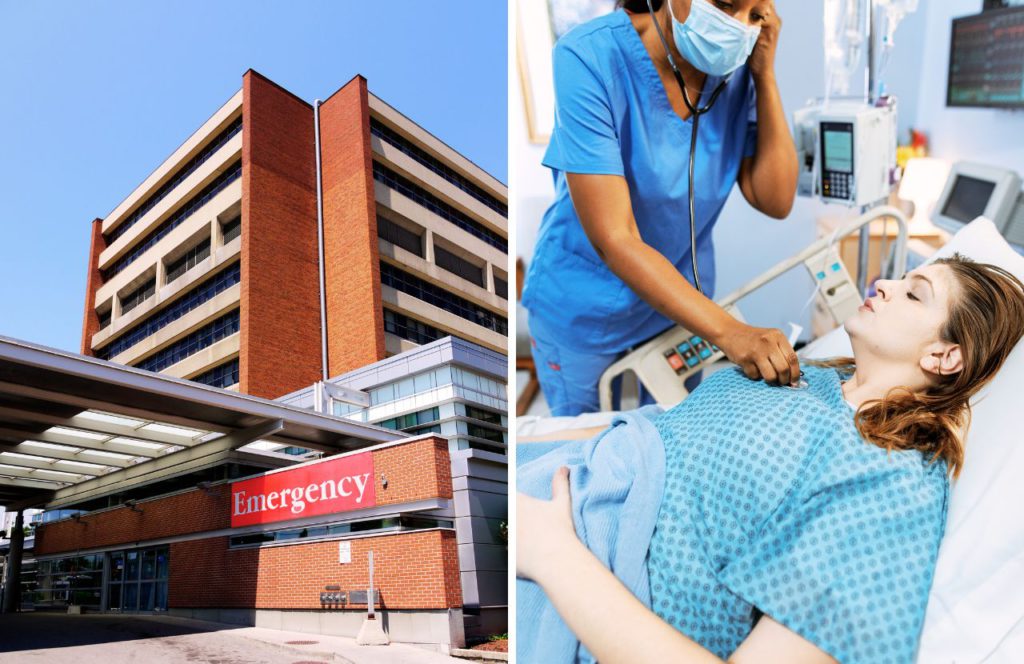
(338, 485)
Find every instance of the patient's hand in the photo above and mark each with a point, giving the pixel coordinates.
(544, 530)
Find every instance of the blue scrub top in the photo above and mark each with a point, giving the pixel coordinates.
(613, 117)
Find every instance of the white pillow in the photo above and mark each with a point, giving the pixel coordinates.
(976, 606)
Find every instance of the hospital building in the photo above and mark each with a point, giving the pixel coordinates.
(209, 269)
(193, 460)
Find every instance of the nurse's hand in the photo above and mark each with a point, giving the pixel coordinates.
(762, 60)
(762, 353)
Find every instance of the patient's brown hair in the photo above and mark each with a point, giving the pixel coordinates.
(986, 319)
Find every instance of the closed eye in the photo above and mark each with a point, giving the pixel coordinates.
(913, 297)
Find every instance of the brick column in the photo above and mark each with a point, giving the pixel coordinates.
(280, 298)
(355, 324)
(93, 281)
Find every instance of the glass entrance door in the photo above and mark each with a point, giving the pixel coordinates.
(138, 580)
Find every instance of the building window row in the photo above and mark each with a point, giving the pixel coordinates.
(232, 228)
(439, 297)
(192, 257)
(224, 375)
(333, 530)
(175, 220)
(410, 328)
(204, 337)
(411, 421)
(386, 176)
(459, 266)
(205, 292)
(105, 318)
(138, 296)
(399, 236)
(74, 580)
(488, 416)
(485, 433)
(385, 133)
(187, 169)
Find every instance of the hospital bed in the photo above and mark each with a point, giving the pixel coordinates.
(976, 606)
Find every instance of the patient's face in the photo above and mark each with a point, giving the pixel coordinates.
(905, 316)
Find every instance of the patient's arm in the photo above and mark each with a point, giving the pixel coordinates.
(567, 434)
(613, 624)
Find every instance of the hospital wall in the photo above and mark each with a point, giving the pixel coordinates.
(983, 135)
(747, 242)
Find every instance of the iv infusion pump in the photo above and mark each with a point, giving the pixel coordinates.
(846, 151)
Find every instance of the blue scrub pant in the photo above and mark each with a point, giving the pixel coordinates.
(569, 377)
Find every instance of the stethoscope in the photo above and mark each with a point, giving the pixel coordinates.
(695, 113)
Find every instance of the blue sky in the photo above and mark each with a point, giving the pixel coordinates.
(95, 94)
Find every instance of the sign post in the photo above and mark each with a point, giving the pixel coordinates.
(372, 632)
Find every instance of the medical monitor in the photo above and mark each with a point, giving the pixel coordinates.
(986, 60)
(976, 190)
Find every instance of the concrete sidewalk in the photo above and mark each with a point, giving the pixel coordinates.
(117, 639)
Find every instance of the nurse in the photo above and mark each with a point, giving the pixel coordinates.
(614, 263)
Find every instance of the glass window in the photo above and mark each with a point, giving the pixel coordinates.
(399, 236)
(195, 298)
(405, 388)
(204, 337)
(410, 328)
(232, 228)
(335, 529)
(162, 556)
(501, 287)
(117, 566)
(192, 257)
(132, 568)
(148, 564)
(458, 266)
(439, 297)
(382, 131)
(485, 415)
(443, 376)
(223, 375)
(131, 597)
(423, 382)
(186, 169)
(138, 296)
(407, 188)
(183, 212)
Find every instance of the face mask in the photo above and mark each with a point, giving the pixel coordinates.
(711, 40)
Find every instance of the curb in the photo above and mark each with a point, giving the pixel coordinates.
(479, 654)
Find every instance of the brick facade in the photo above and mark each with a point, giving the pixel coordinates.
(280, 307)
(355, 325)
(93, 281)
(417, 570)
(414, 570)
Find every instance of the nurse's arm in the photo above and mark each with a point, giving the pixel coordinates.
(606, 617)
(603, 205)
(768, 179)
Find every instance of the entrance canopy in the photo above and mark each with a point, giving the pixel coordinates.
(73, 427)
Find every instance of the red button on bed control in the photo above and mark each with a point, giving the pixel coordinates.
(674, 360)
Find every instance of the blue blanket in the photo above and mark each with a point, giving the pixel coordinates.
(617, 480)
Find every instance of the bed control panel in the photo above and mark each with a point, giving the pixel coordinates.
(663, 363)
(834, 284)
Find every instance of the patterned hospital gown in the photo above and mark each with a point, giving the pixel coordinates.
(775, 505)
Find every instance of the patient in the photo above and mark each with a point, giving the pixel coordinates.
(770, 524)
